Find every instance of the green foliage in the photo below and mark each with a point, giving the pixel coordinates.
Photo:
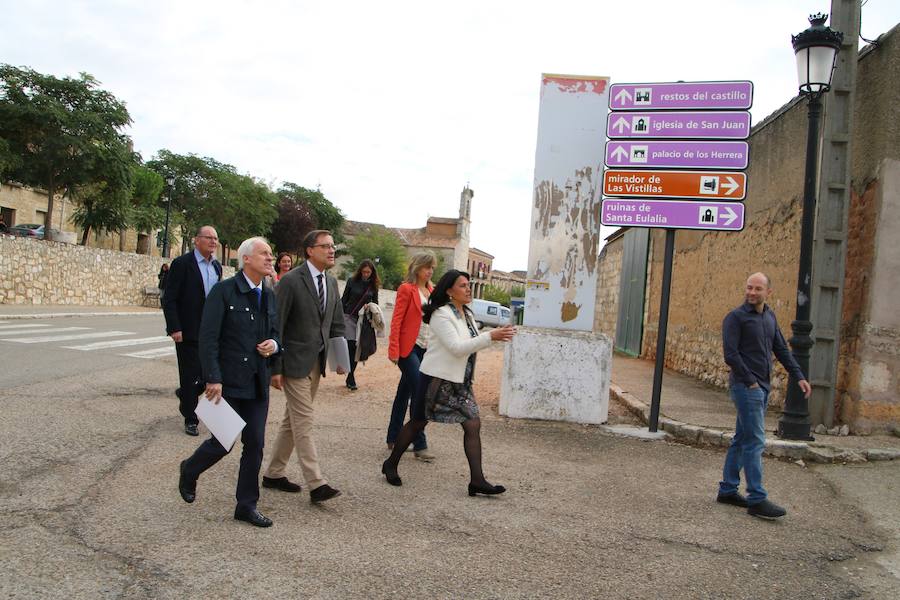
(382, 246)
(495, 294)
(146, 190)
(440, 266)
(8, 160)
(517, 291)
(62, 134)
(207, 192)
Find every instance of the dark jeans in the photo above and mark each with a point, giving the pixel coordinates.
(210, 452)
(189, 376)
(409, 381)
(748, 443)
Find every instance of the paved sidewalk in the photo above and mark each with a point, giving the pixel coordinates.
(701, 414)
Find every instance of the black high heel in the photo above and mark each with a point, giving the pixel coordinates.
(486, 489)
(390, 473)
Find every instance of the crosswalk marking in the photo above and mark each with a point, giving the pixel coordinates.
(65, 338)
(121, 343)
(23, 326)
(153, 353)
(42, 331)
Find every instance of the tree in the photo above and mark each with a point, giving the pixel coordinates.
(146, 214)
(495, 294)
(60, 130)
(208, 192)
(517, 291)
(104, 203)
(382, 246)
(294, 221)
(325, 214)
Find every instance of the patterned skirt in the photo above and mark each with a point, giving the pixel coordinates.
(449, 402)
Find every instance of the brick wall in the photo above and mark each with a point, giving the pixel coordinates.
(609, 271)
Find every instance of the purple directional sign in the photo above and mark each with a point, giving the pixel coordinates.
(680, 154)
(736, 95)
(733, 125)
(672, 214)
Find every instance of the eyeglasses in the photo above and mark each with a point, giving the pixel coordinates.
(326, 246)
(209, 237)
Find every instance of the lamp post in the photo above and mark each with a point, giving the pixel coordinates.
(170, 182)
(816, 51)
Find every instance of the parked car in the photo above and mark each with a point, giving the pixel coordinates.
(31, 230)
(490, 313)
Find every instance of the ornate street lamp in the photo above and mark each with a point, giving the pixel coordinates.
(816, 50)
(170, 182)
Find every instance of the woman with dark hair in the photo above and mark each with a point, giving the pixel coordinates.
(360, 290)
(283, 264)
(444, 393)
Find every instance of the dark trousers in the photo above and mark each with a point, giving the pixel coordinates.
(351, 376)
(409, 381)
(189, 376)
(254, 412)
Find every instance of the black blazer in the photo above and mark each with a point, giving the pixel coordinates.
(232, 326)
(184, 296)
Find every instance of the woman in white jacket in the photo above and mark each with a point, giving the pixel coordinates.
(444, 391)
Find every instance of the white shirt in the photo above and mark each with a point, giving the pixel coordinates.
(315, 274)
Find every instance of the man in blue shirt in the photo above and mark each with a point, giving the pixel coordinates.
(191, 277)
(750, 336)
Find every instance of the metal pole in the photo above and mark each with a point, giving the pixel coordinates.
(166, 231)
(661, 330)
(794, 423)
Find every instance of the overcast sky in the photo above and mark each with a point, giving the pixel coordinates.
(392, 107)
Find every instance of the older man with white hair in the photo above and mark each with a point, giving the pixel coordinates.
(238, 336)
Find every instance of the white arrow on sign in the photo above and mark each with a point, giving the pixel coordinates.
(621, 124)
(730, 186)
(622, 96)
(731, 215)
(619, 153)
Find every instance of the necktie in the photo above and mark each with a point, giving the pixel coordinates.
(258, 293)
(321, 293)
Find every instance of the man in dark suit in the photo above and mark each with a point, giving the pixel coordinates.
(191, 277)
(310, 312)
(238, 335)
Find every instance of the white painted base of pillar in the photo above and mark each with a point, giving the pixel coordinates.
(556, 375)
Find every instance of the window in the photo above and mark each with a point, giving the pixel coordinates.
(492, 310)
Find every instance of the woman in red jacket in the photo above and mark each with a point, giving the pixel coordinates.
(407, 344)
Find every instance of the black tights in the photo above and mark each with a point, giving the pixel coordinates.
(471, 445)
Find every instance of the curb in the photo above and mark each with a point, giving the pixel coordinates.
(697, 435)
(4, 317)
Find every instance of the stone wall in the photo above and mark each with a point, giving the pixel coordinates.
(710, 268)
(609, 271)
(41, 272)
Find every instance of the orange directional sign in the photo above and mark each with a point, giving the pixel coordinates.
(724, 185)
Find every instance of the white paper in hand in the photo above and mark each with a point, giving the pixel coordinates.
(338, 354)
(221, 420)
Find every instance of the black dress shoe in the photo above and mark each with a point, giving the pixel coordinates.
(734, 499)
(280, 483)
(254, 517)
(191, 429)
(486, 489)
(186, 487)
(766, 510)
(352, 387)
(323, 493)
(390, 473)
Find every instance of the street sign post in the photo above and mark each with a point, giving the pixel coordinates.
(735, 95)
(677, 154)
(675, 184)
(672, 214)
(695, 125)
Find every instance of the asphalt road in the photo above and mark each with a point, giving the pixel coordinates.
(90, 441)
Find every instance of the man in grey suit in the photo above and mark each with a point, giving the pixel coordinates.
(310, 313)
